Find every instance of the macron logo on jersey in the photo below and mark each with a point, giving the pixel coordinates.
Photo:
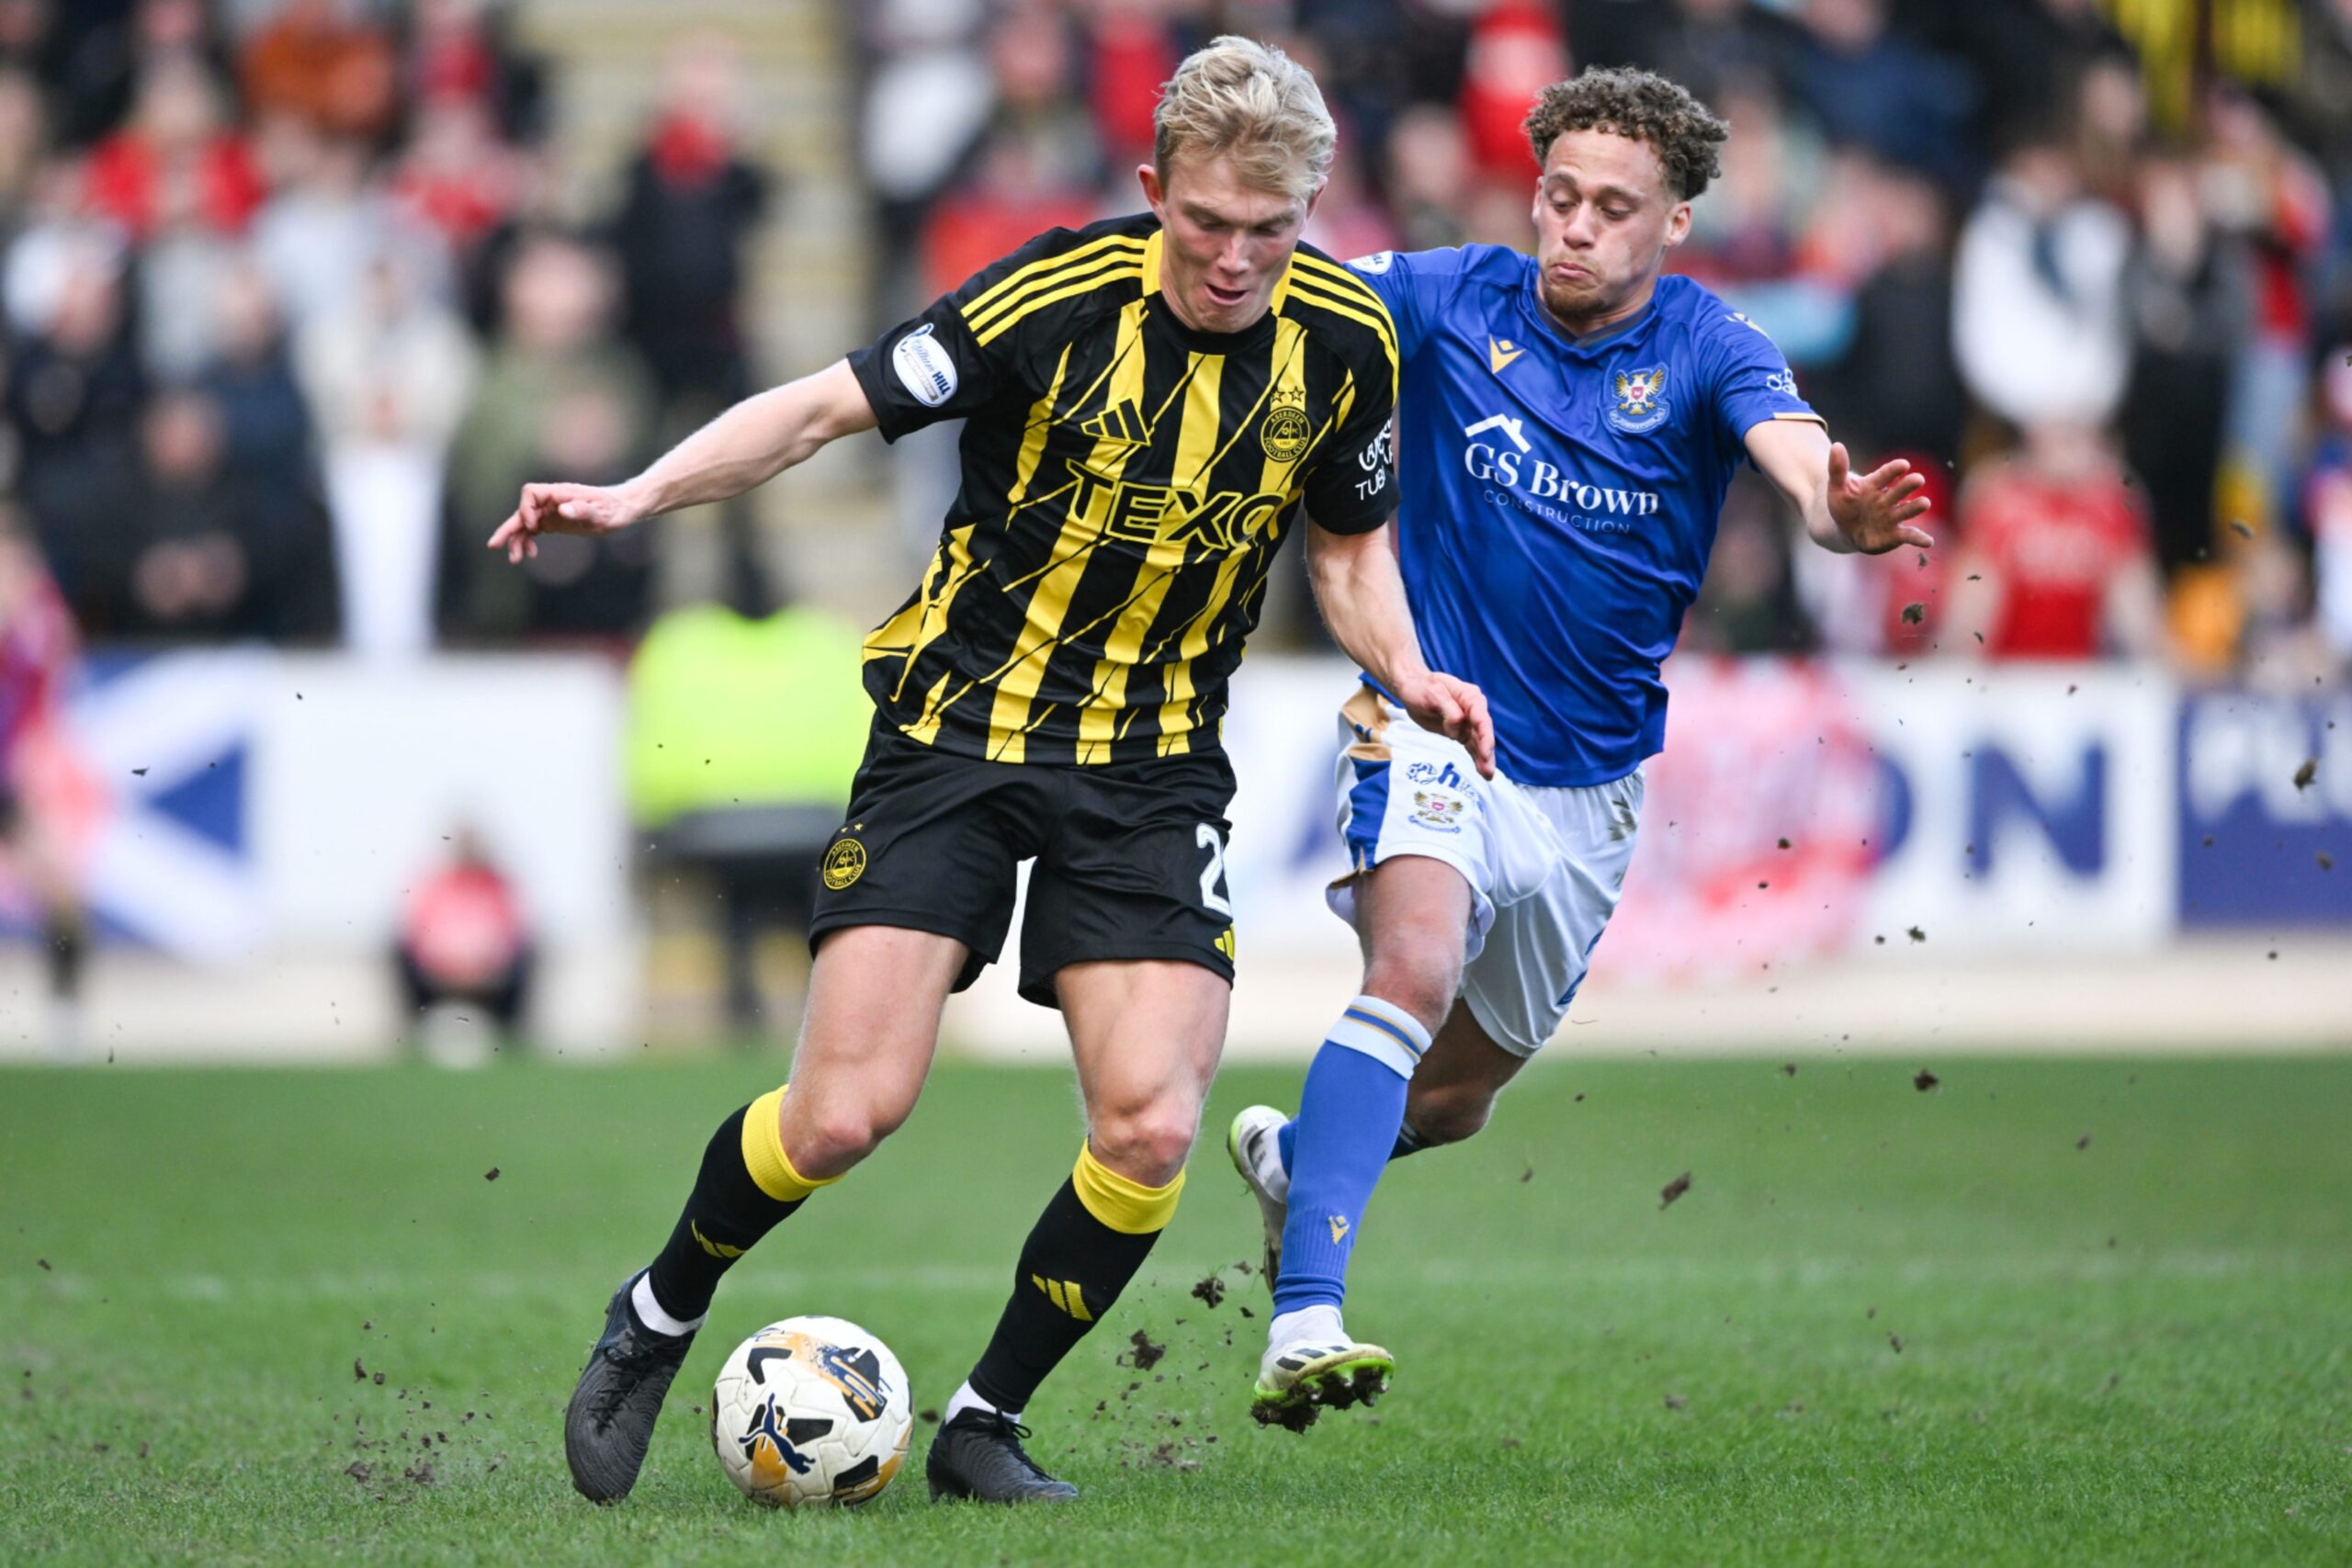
(1510, 473)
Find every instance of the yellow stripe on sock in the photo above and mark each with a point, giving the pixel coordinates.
(1128, 1207)
(763, 1153)
(1065, 1295)
(1389, 1028)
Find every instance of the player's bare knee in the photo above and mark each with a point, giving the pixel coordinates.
(1419, 975)
(1448, 1114)
(832, 1138)
(1148, 1143)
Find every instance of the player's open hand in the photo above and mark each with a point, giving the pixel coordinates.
(564, 509)
(1874, 511)
(1456, 709)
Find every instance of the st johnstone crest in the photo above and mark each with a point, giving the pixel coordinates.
(1640, 402)
(1440, 809)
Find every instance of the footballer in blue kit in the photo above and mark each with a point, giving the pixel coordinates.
(1568, 423)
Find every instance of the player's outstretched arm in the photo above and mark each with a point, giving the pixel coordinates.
(747, 446)
(1363, 598)
(1845, 512)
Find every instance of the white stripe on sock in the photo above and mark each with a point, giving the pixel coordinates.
(1384, 1032)
(649, 1313)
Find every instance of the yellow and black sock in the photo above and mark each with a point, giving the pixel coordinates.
(1088, 1244)
(746, 1185)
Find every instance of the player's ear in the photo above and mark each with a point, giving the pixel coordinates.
(1147, 174)
(1314, 196)
(1678, 224)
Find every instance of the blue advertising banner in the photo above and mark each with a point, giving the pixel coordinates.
(2265, 810)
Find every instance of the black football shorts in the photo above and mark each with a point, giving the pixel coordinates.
(1130, 858)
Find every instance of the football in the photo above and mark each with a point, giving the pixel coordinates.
(810, 1410)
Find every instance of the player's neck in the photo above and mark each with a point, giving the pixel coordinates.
(1600, 324)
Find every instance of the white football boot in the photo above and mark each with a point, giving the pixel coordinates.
(1315, 1367)
(1254, 1143)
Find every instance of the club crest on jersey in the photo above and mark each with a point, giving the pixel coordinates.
(1641, 401)
(1284, 433)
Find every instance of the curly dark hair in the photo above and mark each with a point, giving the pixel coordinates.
(1681, 130)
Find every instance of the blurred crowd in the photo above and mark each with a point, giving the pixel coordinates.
(289, 307)
(290, 312)
(2087, 263)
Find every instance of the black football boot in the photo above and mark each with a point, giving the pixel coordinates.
(609, 1423)
(978, 1455)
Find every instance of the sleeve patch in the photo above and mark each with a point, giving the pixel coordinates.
(924, 368)
(1375, 264)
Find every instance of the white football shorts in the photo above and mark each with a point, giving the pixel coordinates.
(1545, 865)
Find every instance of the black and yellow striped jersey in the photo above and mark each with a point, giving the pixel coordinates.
(1125, 483)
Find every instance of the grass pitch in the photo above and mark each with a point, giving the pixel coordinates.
(1881, 1325)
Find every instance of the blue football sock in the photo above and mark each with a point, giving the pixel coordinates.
(1407, 1142)
(1348, 1115)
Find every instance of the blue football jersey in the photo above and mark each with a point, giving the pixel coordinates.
(1558, 497)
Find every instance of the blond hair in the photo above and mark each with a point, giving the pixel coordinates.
(1249, 102)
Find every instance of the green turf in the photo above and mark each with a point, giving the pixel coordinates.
(2134, 1351)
